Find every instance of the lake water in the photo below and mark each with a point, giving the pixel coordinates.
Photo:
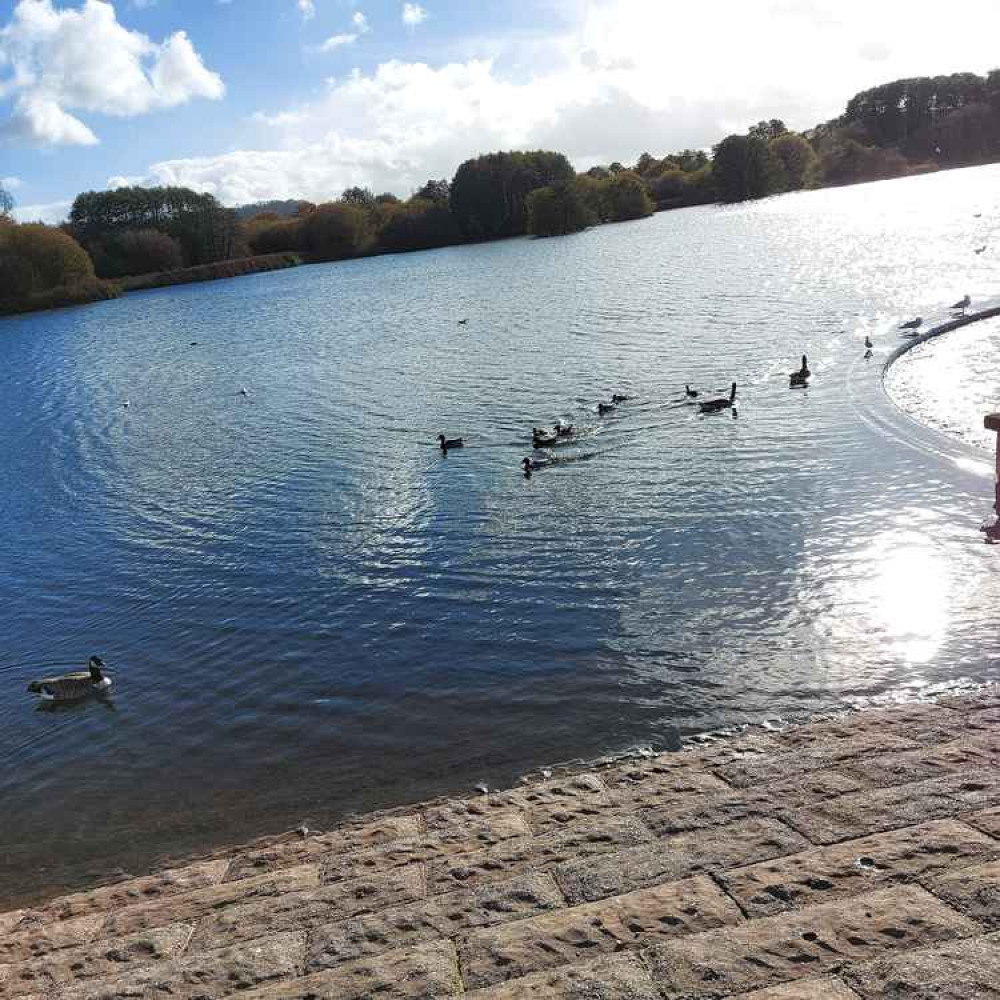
(308, 610)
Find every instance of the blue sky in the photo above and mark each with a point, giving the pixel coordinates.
(251, 99)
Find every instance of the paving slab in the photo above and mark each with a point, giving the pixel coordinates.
(884, 770)
(310, 908)
(958, 970)
(209, 974)
(861, 813)
(33, 942)
(807, 989)
(192, 905)
(424, 971)
(496, 954)
(924, 723)
(854, 867)
(677, 857)
(610, 977)
(802, 945)
(698, 812)
(438, 917)
(987, 820)
(974, 891)
(812, 757)
(63, 969)
(584, 839)
(295, 850)
(659, 782)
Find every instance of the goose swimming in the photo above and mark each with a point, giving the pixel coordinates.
(74, 686)
(868, 342)
(604, 408)
(690, 393)
(715, 405)
(801, 377)
(447, 443)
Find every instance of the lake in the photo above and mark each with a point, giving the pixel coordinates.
(308, 610)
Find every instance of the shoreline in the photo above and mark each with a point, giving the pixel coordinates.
(857, 855)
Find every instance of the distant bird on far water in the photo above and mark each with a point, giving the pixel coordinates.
(462, 322)
(448, 443)
(605, 408)
(801, 377)
(75, 686)
(244, 391)
(963, 304)
(868, 342)
(981, 249)
(912, 324)
(126, 404)
(690, 393)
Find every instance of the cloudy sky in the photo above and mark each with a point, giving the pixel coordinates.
(254, 99)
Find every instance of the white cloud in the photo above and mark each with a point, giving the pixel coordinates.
(11, 183)
(361, 27)
(413, 14)
(360, 23)
(51, 212)
(619, 78)
(307, 9)
(52, 60)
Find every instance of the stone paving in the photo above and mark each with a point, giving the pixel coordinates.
(850, 859)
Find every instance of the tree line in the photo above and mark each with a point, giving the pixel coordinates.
(907, 126)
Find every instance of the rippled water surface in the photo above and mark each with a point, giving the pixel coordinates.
(309, 610)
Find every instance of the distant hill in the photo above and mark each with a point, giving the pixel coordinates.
(286, 209)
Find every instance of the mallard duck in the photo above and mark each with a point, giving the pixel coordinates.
(690, 393)
(605, 408)
(73, 687)
(447, 443)
(715, 405)
(912, 324)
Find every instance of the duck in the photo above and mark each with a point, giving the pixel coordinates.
(868, 342)
(462, 322)
(619, 398)
(74, 686)
(963, 303)
(564, 430)
(801, 377)
(690, 393)
(605, 408)
(912, 324)
(447, 443)
(541, 440)
(715, 405)
(244, 391)
(126, 404)
(530, 464)
(981, 249)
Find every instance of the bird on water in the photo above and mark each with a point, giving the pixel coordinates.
(801, 377)
(690, 393)
(73, 686)
(723, 403)
(448, 443)
(868, 342)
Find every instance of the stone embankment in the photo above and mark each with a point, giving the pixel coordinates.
(846, 859)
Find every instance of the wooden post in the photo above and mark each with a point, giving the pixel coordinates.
(992, 423)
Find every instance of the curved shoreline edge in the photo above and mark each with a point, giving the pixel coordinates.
(937, 331)
(650, 878)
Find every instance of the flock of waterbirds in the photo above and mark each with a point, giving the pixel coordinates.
(564, 433)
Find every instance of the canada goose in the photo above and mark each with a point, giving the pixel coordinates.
(868, 342)
(690, 393)
(963, 303)
(801, 377)
(912, 324)
(605, 408)
(447, 443)
(715, 405)
(74, 686)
